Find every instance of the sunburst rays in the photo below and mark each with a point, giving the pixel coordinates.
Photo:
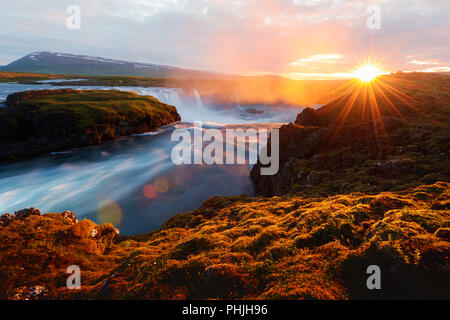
(372, 97)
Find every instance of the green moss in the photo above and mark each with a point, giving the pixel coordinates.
(404, 146)
(55, 120)
(291, 247)
(95, 106)
(26, 77)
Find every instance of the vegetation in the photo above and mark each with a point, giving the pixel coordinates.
(393, 134)
(37, 122)
(355, 188)
(24, 76)
(245, 248)
(90, 107)
(118, 81)
(221, 89)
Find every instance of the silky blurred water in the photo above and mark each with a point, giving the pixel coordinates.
(132, 182)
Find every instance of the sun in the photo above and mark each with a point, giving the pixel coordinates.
(368, 72)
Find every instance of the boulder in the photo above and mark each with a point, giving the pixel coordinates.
(38, 292)
(7, 218)
(25, 213)
(308, 117)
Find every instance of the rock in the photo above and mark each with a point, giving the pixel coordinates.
(308, 117)
(394, 168)
(69, 215)
(29, 293)
(317, 177)
(355, 144)
(96, 238)
(6, 219)
(94, 233)
(28, 127)
(25, 213)
(296, 142)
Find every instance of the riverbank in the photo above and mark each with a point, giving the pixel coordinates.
(45, 121)
(116, 172)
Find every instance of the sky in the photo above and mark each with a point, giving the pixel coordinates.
(300, 39)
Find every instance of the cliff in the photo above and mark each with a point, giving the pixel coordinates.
(393, 134)
(38, 122)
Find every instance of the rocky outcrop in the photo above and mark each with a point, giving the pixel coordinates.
(38, 122)
(81, 229)
(29, 293)
(308, 117)
(360, 144)
(295, 140)
(7, 218)
(35, 247)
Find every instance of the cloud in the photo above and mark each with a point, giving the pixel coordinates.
(421, 62)
(245, 36)
(326, 58)
(437, 69)
(318, 76)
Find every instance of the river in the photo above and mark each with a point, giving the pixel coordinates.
(132, 182)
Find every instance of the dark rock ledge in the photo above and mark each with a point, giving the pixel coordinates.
(45, 121)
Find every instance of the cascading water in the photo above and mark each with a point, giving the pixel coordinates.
(169, 96)
(198, 98)
(120, 171)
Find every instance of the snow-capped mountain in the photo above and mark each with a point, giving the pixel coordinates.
(71, 64)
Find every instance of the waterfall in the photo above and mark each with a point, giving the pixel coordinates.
(190, 107)
(198, 99)
(165, 95)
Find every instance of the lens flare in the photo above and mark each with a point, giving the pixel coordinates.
(161, 185)
(368, 72)
(109, 212)
(149, 191)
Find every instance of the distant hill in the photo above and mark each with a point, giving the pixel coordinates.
(63, 63)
